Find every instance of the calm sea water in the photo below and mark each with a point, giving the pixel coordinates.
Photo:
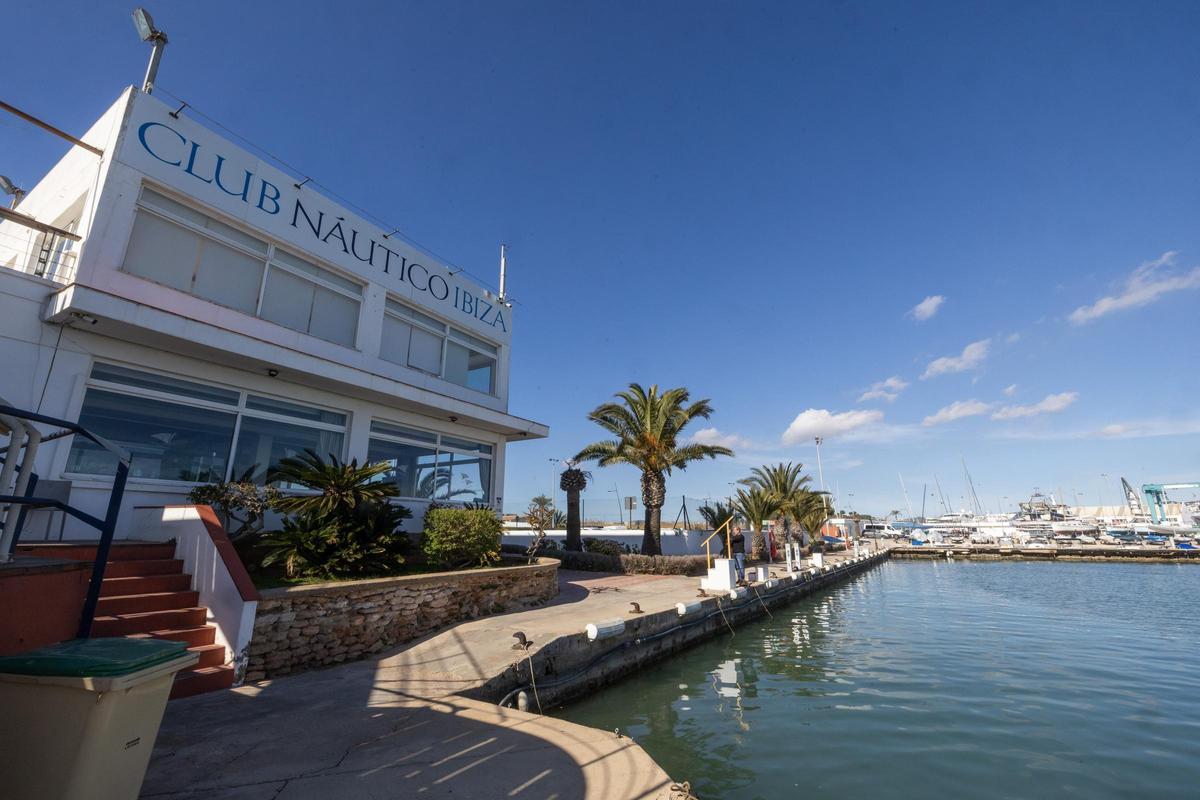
(938, 680)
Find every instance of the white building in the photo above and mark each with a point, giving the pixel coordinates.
(216, 314)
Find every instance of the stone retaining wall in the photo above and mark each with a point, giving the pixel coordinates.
(305, 627)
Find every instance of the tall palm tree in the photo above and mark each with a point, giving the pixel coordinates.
(573, 480)
(756, 506)
(787, 485)
(647, 427)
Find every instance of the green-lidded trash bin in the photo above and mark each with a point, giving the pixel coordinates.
(78, 720)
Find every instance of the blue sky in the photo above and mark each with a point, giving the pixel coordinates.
(751, 200)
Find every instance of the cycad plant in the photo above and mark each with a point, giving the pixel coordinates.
(812, 512)
(756, 506)
(573, 480)
(717, 514)
(345, 528)
(787, 485)
(648, 430)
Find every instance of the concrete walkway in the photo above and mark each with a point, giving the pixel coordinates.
(396, 727)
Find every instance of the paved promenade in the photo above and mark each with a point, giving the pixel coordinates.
(395, 726)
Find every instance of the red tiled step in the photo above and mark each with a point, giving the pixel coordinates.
(202, 679)
(211, 655)
(152, 601)
(143, 584)
(139, 569)
(86, 551)
(198, 636)
(144, 622)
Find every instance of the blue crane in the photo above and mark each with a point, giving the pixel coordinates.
(1156, 497)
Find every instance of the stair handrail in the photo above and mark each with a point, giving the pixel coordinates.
(728, 540)
(24, 436)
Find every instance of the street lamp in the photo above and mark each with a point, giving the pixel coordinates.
(553, 474)
(148, 33)
(821, 473)
(10, 188)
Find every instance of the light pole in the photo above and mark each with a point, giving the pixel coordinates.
(554, 462)
(148, 33)
(821, 474)
(620, 511)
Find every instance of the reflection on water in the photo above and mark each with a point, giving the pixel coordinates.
(991, 680)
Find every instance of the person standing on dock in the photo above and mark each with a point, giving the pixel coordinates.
(738, 546)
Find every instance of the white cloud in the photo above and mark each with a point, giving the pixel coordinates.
(1133, 429)
(1051, 404)
(887, 390)
(957, 410)
(821, 422)
(730, 440)
(1150, 281)
(971, 357)
(1012, 338)
(927, 307)
(1010, 390)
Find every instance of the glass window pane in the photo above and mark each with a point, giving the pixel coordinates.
(162, 251)
(168, 441)
(300, 265)
(228, 276)
(388, 429)
(470, 477)
(236, 236)
(474, 341)
(262, 443)
(425, 351)
(287, 300)
(481, 373)
(173, 207)
(334, 317)
(161, 383)
(394, 344)
(457, 359)
(463, 444)
(285, 408)
(404, 311)
(414, 468)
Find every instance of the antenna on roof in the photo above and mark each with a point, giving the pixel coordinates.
(148, 33)
(503, 298)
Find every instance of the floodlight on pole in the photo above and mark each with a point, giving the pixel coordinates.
(10, 188)
(148, 33)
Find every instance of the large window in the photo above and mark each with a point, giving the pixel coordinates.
(178, 246)
(417, 340)
(178, 430)
(429, 466)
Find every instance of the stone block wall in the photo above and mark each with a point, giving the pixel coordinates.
(305, 627)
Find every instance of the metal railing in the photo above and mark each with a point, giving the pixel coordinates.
(35, 248)
(18, 484)
(728, 541)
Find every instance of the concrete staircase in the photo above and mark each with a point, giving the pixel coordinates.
(146, 594)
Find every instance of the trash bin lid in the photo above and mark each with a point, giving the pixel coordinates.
(81, 658)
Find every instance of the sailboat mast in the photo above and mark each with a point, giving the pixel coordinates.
(905, 490)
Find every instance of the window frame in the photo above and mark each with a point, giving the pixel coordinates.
(447, 334)
(239, 410)
(439, 448)
(266, 257)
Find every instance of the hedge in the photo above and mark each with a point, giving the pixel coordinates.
(633, 564)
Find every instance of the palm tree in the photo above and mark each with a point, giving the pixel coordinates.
(756, 506)
(573, 480)
(647, 426)
(343, 486)
(787, 485)
(717, 514)
(812, 514)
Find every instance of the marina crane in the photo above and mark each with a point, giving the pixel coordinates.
(1156, 497)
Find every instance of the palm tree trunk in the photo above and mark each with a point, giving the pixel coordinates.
(574, 540)
(758, 544)
(654, 490)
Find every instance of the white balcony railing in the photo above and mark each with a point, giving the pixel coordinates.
(44, 253)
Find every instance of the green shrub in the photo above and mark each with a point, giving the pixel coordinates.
(364, 542)
(604, 547)
(462, 537)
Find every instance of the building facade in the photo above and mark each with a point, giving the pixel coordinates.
(212, 314)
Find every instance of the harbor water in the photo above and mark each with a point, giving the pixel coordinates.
(936, 679)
